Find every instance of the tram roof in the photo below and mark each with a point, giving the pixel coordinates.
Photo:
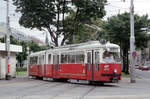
(82, 46)
(37, 53)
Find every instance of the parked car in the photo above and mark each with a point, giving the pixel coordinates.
(144, 67)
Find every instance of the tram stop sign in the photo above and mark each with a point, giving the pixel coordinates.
(134, 54)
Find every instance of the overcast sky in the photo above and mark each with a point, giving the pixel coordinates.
(114, 7)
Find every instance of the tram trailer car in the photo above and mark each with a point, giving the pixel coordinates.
(91, 61)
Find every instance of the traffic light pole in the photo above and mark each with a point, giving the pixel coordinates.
(132, 42)
(8, 76)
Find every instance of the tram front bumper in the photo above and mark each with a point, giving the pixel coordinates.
(112, 75)
(114, 78)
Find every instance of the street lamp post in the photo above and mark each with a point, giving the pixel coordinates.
(8, 43)
(132, 42)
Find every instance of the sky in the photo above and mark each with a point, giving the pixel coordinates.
(113, 7)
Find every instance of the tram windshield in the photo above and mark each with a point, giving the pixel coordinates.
(111, 57)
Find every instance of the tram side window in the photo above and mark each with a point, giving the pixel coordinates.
(33, 60)
(43, 60)
(40, 60)
(49, 59)
(89, 57)
(64, 58)
(80, 58)
(55, 59)
(97, 57)
(111, 56)
(72, 58)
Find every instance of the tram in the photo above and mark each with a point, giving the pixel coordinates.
(91, 61)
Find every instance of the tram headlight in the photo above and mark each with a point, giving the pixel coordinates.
(115, 71)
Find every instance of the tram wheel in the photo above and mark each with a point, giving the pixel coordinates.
(91, 82)
(60, 79)
(39, 78)
(101, 83)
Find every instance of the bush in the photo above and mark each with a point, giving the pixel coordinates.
(20, 69)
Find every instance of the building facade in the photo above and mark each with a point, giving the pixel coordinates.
(3, 56)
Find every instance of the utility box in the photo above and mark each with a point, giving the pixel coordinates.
(3, 56)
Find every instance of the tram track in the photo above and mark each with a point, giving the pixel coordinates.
(66, 90)
(74, 88)
(41, 89)
(18, 81)
(15, 82)
(30, 86)
(87, 92)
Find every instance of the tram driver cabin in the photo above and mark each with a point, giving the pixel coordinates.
(91, 61)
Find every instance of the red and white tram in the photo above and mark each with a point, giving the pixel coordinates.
(91, 61)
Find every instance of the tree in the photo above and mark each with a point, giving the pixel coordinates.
(23, 55)
(50, 15)
(12, 40)
(117, 30)
(33, 47)
(82, 31)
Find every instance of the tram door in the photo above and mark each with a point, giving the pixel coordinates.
(90, 65)
(55, 65)
(93, 65)
(41, 65)
(96, 65)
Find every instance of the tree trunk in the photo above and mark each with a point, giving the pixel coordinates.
(125, 61)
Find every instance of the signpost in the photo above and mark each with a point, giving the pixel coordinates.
(8, 67)
(132, 42)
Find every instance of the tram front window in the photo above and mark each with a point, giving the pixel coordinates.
(111, 57)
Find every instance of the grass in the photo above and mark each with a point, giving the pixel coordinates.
(21, 73)
(125, 75)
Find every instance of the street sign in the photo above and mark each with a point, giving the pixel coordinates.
(134, 54)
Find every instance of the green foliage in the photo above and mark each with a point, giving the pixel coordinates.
(21, 73)
(2, 40)
(34, 47)
(117, 30)
(87, 9)
(82, 32)
(23, 55)
(12, 40)
(125, 75)
(50, 15)
(85, 33)
(21, 69)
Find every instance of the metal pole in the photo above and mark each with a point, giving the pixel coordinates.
(132, 46)
(28, 61)
(8, 76)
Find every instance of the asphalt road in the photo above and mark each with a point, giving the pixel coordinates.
(143, 74)
(24, 88)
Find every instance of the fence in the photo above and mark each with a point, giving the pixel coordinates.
(21, 70)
